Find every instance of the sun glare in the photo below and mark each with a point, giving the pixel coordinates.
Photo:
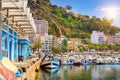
(111, 12)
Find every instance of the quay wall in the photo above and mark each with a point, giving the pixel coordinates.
(30, 73)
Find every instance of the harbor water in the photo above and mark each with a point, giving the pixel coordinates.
(91, 72)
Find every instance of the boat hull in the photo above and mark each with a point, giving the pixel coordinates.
(92, 63)
(50, 64)
(77, 63)
(100, 63)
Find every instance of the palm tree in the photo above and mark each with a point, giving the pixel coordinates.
(38, 1)
(32, 48)
(36, 46)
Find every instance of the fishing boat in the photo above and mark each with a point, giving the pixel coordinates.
(85, 62)
(100, 61)
(49, 62)
(77, 63)
(70, 61)
(93, 61)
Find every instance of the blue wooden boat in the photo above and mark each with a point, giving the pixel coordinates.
(70, 61)
(49, 62)
(85, 62)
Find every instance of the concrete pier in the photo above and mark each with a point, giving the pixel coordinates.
(28, 69)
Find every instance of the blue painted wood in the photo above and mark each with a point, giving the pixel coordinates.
(15, 48)
(10, 47)
(85, 62)
(25, 52)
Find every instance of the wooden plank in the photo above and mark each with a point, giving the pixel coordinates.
(0, 27)
(21, 20)
(24, 24)
(28, 30)
(4, 8)
(17, 15)
(21, 24)
(27, 27)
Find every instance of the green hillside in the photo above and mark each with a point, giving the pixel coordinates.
(69, 24)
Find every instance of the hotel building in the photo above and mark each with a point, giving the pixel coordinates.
(42, 35)
(47, 46)
(42, 27)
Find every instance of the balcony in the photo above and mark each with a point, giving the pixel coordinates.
(10, 0)
(19, 15)
(13, 4)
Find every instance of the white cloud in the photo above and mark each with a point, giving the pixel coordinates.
(107, 8)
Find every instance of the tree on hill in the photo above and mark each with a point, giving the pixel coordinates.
(72, 25)
(56, 49)
(38, 1)
(35, 46)
(68, 7)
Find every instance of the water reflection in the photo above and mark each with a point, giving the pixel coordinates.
(49, 74)
(106, 72)
(93, 72)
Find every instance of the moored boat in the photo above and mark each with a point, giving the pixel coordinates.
(85, 62)
(70, 61)
(77, 63)
(93, 62)
(100, 63)
(49, 62)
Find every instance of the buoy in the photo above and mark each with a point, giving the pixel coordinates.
(36, 70)
(25, 79)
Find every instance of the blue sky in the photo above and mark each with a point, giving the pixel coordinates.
(99, 8)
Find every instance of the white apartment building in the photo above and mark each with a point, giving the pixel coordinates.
(47, 43)
(98, 37)
(42, 27)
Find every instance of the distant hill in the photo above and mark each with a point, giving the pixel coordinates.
(62, 21)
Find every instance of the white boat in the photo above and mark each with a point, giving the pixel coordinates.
(71, 62)
(49, 62)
